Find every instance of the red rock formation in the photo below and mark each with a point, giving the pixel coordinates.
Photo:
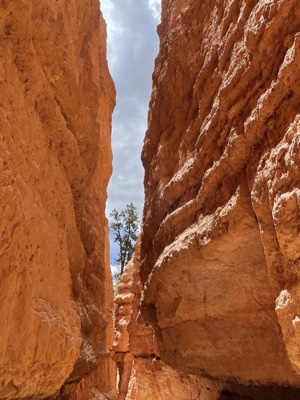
(220, 242)
(142, 374)
(100, 385)
(56, 101)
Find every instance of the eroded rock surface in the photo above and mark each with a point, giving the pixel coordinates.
(220, 246)
(56, 100)
(143, 375)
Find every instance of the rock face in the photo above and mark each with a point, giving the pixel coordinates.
(142, 373)
(220, 246)
(56, 101)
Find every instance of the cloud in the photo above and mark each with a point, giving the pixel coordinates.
(132, 48)
(155, 7)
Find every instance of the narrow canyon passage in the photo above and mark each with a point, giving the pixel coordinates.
(208, 307)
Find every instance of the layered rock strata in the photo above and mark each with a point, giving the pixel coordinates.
(56, 101)
(142, 373)
(220, 242)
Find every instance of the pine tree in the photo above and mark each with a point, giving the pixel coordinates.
(125, 227)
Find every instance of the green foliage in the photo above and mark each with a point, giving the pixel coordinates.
(125, 227)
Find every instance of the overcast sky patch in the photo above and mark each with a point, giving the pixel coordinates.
(132, 46)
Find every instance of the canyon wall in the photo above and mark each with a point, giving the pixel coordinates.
(143, 375)
(56, 101)
(220, 243)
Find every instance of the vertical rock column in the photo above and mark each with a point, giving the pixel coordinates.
(220, 240)
(56, 101)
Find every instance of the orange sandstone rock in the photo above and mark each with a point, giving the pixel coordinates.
(56, 100)
(221, 233)
(142, 374)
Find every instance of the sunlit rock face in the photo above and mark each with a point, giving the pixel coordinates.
(56, 101)
(220, 246)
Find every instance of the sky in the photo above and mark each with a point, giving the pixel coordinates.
(132, 45)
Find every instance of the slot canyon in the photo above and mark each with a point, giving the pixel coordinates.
(208, 308)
